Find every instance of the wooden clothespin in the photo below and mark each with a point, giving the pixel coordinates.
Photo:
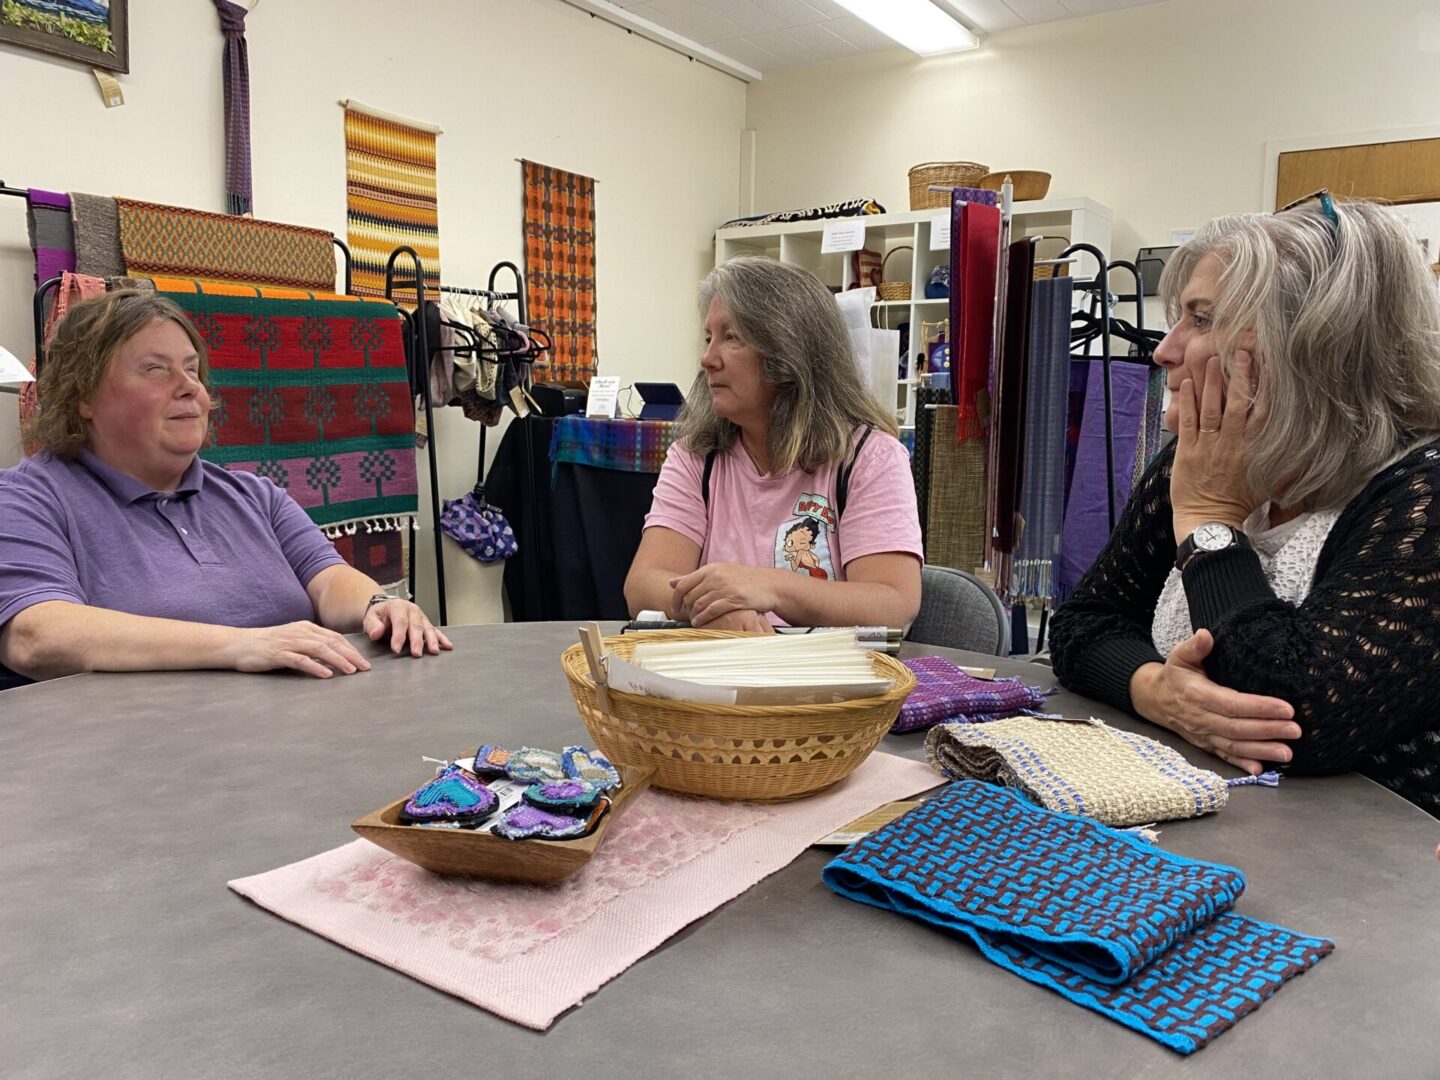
(595, 655)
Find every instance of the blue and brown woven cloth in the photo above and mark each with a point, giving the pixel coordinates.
(945, 694)
(636, 446)
(1136, 933)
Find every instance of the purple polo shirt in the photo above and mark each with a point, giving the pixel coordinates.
(225, 547)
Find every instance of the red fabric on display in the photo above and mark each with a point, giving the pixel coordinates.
(972, 309)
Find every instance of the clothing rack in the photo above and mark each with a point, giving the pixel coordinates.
(396, 285)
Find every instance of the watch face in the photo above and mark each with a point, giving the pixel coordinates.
(1212, 536)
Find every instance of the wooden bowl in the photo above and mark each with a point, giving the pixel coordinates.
(1028, 183)
(478, 854)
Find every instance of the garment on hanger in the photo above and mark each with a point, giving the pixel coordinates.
(1042, 483)
(1007, 435)
(52, 235)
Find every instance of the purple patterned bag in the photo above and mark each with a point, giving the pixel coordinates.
(943, 693)
(479, 528)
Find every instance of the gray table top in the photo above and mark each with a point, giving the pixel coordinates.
(134, 798)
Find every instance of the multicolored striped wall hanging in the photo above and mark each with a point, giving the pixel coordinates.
(560, 266)
(389, 195)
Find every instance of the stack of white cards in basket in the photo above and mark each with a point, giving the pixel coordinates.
(826, 666)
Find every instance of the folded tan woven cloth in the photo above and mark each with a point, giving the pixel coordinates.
(1080, 767)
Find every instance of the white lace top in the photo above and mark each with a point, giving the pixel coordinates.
(1288, 553)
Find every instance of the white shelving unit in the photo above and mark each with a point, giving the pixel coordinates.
(1070, 221)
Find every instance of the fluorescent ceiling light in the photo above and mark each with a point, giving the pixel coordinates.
(917, 24)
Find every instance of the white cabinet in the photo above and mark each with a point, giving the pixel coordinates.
(1068, 221)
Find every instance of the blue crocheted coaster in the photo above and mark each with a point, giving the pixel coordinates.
(453, 796)
(491, 761)
(525, 822)
(533, 766)
(1134, 932)
(591, 765)
(565, 796)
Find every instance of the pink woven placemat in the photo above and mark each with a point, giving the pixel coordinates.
(528, 953)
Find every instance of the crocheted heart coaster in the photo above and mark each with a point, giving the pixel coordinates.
(565, 796)
(491, 761)
(453, 796)
(591, 765)
(533, 766)
(525, 822)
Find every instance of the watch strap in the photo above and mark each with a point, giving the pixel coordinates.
(1188, 548)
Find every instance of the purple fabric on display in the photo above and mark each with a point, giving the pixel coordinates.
(945, 694)
(52, 234)
(224, 547)
(236, 73)
(1087, 514)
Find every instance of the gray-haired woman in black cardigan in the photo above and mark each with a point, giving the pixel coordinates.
(1272, 591)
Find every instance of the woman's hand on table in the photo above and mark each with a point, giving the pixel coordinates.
(303, 646)
(1247, 730)
(1217, 424)
(749, 621)
(718, 589)
(407, 625)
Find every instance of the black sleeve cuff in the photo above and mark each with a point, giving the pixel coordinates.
(1221, 582)
(1110, 664)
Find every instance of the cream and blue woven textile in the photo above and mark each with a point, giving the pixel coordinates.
(1101, 917)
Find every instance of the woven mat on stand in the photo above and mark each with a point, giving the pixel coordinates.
(527, 952)
(1140, 935)
(176, 241)
(638, 446)
(314, 394)
(957, 496)
(1079, 767)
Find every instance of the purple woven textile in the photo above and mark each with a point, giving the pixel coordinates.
(52, 236)
(1087, 514)
(238, 196)
(945, 694)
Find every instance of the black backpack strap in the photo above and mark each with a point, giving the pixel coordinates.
(842, 480)
(705, 479)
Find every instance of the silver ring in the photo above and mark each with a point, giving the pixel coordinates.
(1208, 430)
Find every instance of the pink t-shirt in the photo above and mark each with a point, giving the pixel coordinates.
(788, 521)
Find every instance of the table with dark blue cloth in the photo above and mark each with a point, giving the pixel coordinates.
(578, 514)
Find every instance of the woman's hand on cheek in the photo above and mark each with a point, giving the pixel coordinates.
(1208, 480)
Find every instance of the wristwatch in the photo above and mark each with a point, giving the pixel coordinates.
(1210, 536)
(378, 598)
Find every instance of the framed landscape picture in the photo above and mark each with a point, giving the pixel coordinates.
(90, 31)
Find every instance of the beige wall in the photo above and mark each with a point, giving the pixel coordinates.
(1189, 93)
(504, 78)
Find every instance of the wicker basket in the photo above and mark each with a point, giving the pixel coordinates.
(948, 173)
(1027, 184)
(893, 290)
(764, 753)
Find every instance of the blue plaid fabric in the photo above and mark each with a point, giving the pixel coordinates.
(1113, 923)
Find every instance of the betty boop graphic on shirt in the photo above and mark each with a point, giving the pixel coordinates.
(802, 543)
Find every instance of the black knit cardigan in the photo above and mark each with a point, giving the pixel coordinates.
(1359, 659)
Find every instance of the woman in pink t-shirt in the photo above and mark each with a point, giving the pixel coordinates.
(788, 498)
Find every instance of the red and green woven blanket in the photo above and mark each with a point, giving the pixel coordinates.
(314, 394)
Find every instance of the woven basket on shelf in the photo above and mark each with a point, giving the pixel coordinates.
(947, 173)
(765, 753)
(1026, 184)
(893, 290)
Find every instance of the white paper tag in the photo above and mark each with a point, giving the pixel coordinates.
(12, 371)
(604, 396)
(842, 236)
(940, 232)
(518, 402)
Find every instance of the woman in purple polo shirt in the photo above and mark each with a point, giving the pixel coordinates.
(122, 550)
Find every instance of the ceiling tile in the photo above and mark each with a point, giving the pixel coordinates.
(1038, 11)
(787, 48)
(749, 16)
(860, 34)
(1081, 8)
(748, 53)
(986, 16)
(692, 19)
(828, 45)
